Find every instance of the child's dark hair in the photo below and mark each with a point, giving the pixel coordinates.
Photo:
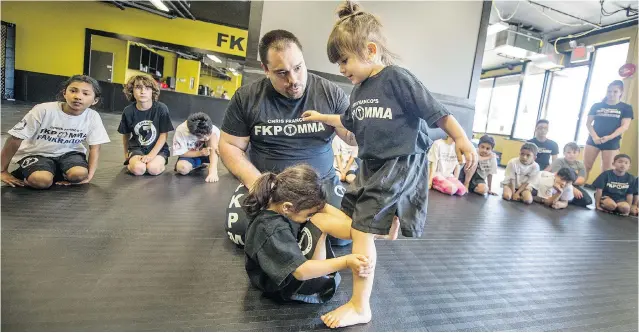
(199, 124)
(299, 185)
(618, 156)
(572, 146)
(352, 31)
(567, 174)
(542, 121)
(530, 146)
(81, 78)
(277, 39)
(146, 80)
(487, 139)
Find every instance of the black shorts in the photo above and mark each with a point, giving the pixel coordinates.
(58, 166)
(475, 180)
(139, 152)
(613, 144)
(315, 291)
(385, 188)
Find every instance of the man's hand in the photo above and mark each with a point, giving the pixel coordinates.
(466, 149)
(10, 180)
(577, 193)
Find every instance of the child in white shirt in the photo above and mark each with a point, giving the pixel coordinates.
(521, 173)
(444, 168)
(195, 142)
(554, 190)
(344, 162)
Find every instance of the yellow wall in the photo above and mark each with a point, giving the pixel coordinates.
(510, 148)
(42, 27)
(119, 49)
(229, 86)
(187, 69)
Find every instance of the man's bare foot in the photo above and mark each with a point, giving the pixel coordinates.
(346, 315)
(394, 231)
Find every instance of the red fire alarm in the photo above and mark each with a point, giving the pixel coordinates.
(627, 70)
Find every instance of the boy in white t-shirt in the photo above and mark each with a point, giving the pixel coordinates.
(480, 178)
(47, 143)
(444, 168)
(554, 190)
(344, 162)
(195, 142)
(521, 173)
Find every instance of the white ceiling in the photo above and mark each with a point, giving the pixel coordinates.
(532, 16)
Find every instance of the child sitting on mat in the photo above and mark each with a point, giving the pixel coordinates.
(289, 258)
(480, 179)
(614, 193)
(554, 190)
(444, 168)
(145, 127)
(521, 173)
(345, 163)
(47, 143)
(634, 209)
(195, 142)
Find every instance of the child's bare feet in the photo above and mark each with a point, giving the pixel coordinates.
(394, 231)
(347, 315)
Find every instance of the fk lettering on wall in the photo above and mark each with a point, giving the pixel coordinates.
(290, 129)
(232, 41)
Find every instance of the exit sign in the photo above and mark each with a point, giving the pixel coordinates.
(579, 54)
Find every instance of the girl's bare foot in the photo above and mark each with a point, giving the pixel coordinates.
(346, 315)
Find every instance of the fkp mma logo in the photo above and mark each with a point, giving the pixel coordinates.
(339, 190)
(146, 132)
(28, 161)
(306, 241)
(359, 113)
(290, 130)
(21, 125)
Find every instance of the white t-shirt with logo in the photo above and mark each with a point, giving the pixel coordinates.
(545, 187)
(445, 156)
(47, 131)
(520, 172)
(184, 141)
(344, 151)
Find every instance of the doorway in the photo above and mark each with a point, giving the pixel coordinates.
(101, 67)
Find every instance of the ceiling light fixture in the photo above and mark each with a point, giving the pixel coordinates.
(214, 58)
(159, 5)
(497, 27)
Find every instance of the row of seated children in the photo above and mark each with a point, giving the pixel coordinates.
(47, 144)
(556, 187)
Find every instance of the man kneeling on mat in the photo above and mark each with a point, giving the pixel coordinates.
(288, 257)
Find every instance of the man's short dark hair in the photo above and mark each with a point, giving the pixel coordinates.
(277, 39)
(567, 174)
(542, 121)
(487, 139)
(199, 124)
(618, 156)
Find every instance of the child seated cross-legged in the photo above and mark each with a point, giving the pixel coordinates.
(195, 142)
(554, 190)
(444, 168)
(614, 193)
(145, 127)
(480, 178)
(288, 257)
(521, 173)
(47, 143)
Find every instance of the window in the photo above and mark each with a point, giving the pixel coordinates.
(503, 104)
(605, 69)
(531, 91)
(564, 103)
(481, 105)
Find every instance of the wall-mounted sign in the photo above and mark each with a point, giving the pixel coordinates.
(627, 70)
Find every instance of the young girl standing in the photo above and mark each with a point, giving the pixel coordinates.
(47, 143)
(287, 257)
(389, 112)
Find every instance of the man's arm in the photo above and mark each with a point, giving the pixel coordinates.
(232, 150)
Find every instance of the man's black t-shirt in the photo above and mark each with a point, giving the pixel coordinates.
(278, 136)
(146, 126)
(546, 149)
